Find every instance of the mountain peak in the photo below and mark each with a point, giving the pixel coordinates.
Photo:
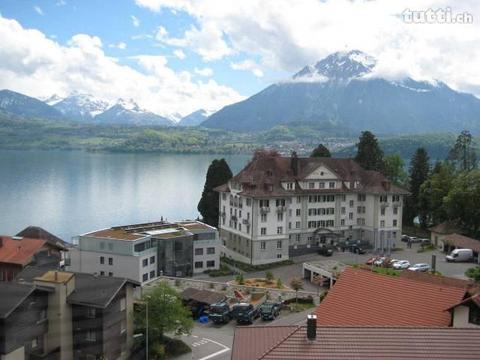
(129, 104)
(338, 66)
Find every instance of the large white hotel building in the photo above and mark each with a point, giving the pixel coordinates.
(278, 207)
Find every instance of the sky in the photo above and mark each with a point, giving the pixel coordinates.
(178, 56)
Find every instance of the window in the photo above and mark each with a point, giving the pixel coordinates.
(311, 185)
(383, 198)
(102, 245)
(123, 304)
(224, 196)
(382, 211)
(280, 217)
(263, 217)
(210, 263)
(350, 216)
(361, 197)
(110, 273)
(395, 198)
(299, 199)
(382, 223)
(152, 274)
(145, 277)
(110, 261)
(342, 222)
(331, 184)
(344, 198)
(248, 229)
(298, 212)
(279, 256)
(199, 251)
(210, 250)
(249, 202)
(152, 259)
(198, 264)
(102, 260)
(297, 225)
(263, 231)
(90, 335)
(263, 245)
(289, 186)
(321, 185)
(395, 211)
(102, 273)
(91, 312)
(343, 210)
(264, 203)
(280, 202)
(474, 315)
(351, 203)
(145, 262)
(394, 223)
(280, 230)
(279, 244)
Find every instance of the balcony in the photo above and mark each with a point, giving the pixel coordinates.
(281, 209)
(234, 218)
(246, 222)
(384, 205)
(264, 209)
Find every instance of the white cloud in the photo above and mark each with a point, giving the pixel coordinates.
(61, 3)
(121, 45)
(207, 72)
(38, 10)
(179, 54)
(135, 21)
(286, 37)
(38, 66)
(248, 65)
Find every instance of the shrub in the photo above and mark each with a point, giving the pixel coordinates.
(269, 277)
(279, 283)
(239, 279)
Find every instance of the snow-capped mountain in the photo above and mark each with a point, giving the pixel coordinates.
(130, 113)
(26, 106)
(52, 100)
(343, 89)
(81, 107)
(194, 119)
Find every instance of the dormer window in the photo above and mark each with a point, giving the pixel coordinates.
(269, 173)
(290, 186)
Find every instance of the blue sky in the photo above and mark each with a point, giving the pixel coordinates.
(177, 56)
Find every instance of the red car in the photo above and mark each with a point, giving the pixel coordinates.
(371, 260)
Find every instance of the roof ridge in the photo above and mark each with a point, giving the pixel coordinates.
(298, 327)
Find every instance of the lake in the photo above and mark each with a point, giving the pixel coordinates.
(71, 192)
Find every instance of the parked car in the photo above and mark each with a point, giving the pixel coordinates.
(425, 241)
(459, 255)
(246, 313)
(372, 260)
(390, 262)
(401, 265)
(414, 239)
(380, 261)
(325, 251)
(405, 238)
(269, 310)
(423, 267)
(220, 313)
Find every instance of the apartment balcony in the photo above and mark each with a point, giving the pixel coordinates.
(281, 209)
(246, 222)
(264, 209)
(384, 205)
(234, 218)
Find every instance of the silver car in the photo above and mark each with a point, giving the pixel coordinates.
(420, 267)
(401, 265)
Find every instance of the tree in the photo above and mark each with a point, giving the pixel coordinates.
(218, 173)
(269, 277)
(463, 199)
(419, 169)
(321, 151)
(296, 284)
(473, 273)
(166, 314)
(395, 169)
(463, 154)
(279, 283)
(434, 191)
(369, 155)
(239, 279)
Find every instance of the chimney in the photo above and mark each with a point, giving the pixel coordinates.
(56, 275)
(294, 163)
(311, 327)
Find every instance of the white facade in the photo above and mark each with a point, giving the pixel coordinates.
(262, 229)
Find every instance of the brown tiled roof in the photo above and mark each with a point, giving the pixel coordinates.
(463, 242)
(291, 343)
(203, 296)
(263, 172)
(446, 227)
(364, 298)
(437, 279)
(19, 252)
(472, 299)
(36, 232)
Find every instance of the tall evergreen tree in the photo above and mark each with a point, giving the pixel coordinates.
(369, 155)
(218, 174)
(395, 169)
(321, 151)
(419, 170)
(463, 153)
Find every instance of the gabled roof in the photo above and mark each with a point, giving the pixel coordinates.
(13, 294)
(36, 232)
(361, 343)
(203, 296)
(19, 251)
(264, 174)
(475, 299)
(463, 242)
(364, 298)
(445, 228)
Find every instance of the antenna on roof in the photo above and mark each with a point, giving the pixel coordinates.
(294, 163)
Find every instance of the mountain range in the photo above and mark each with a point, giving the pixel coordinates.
(344, 89)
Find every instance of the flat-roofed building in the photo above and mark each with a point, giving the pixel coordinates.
(142, 252)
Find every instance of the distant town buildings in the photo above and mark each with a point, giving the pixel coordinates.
(142, 252)
(278, 207)
(63, 315)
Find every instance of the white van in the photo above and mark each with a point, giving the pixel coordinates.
(459, 255)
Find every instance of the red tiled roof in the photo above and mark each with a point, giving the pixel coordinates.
(444, 228)
(463, 242)
(20, 251)
(363, 298)
(264, 174)
(359, 343)
(472, 299)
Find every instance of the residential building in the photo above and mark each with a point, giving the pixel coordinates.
(361, 343)
(16, 252)
(278, 207)
(142, 252)
(439, 231)
(456, 241)
(63, 315)
(467, 312)
(361, 297)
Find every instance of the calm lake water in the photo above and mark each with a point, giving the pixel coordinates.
(69, 193)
